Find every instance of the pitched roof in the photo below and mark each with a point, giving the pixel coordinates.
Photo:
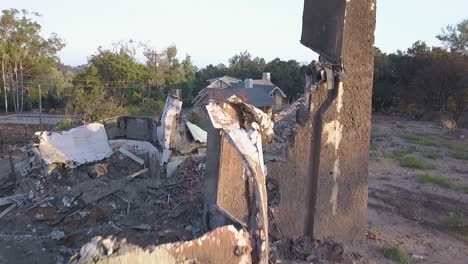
(260, 95)
(226, 78)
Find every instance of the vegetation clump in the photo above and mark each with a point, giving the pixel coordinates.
(460, 155)
(64, 125)
(397, 255)
(434, 179)
(411, 161)
(433, 155)
(436, 142)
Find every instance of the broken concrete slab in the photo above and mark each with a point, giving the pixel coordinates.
(77, 146)
(197, 133)
(168, 123)
(131, 156)
(95, 194)
(156, 158)
(223, 245)
(238, 162)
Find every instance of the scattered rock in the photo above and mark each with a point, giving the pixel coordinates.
(98, 170)
(57, 235)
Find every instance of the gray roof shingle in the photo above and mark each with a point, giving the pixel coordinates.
(258, 96)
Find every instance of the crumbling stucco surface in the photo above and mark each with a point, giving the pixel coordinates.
(223, 245)
(237, 168)
(323, 183)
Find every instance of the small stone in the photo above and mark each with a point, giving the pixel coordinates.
(142, 227)
(57, 235)
(98, 170)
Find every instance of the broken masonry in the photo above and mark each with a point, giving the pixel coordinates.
(235, 179)
(322, 180)
(318, 157)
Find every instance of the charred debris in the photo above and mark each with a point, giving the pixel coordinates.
(253, 188)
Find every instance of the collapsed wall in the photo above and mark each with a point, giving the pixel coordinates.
(323, 181)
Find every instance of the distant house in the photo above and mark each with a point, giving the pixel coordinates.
(262, 93)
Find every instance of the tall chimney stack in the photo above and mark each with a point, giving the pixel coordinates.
(266, 76)
(248, 83)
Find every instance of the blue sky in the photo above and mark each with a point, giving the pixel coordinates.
(211, 31)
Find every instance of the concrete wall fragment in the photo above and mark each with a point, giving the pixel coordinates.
(131, 127)
(323, 182)
(223, 245)
(77, 146)
(167, 128)
(235, 171)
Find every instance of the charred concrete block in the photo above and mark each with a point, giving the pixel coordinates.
(323, 183)
(130, 127)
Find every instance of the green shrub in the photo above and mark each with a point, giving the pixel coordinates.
(436, 142)
(454, 221)
(399, 154)
(434, 179)
(433, 155)
(411, 161)
(149, 108)
(397, 255)
(385, 178)
(64, 125)
(460, 155)
(465, 189)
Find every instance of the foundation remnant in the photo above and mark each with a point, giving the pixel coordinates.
(323, 181)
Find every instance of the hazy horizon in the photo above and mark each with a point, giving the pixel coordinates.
(212, 31)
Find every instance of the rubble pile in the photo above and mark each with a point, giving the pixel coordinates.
(72, 205)
(109, 178)
(129, 190)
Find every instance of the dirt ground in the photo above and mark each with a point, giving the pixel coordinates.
(403, 211)
(407, 213)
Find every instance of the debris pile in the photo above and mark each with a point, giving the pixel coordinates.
(115, 196)
(106, 178)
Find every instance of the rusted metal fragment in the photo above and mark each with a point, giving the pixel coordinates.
(223, 245)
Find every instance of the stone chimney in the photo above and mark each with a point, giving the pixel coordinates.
(248, 83)
(266, 76)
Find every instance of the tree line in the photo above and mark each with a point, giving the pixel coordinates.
(117, 81)
(424, 79)
(114, 81)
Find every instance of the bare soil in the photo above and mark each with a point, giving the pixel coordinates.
(406, 213)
